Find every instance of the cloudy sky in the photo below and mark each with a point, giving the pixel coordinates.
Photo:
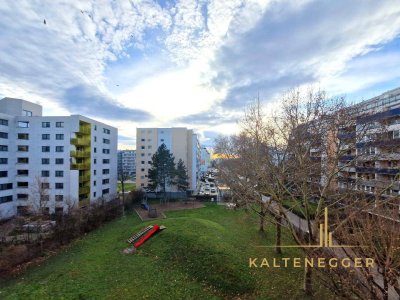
(192, 63)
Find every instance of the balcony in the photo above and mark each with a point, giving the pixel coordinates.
(84, 190)
(84, 202)
(80, 142)
(347, 157)
(387, 171)
(84, 178)
(84, 130)
(81, 154)
(83, 166)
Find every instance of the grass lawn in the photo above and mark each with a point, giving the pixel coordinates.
(296, 207)
(203, 254)
(128, 187)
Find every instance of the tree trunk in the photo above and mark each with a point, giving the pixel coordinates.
(262, 217)
(308, 281)
(385, 285)
(278, 248)
(123, 197)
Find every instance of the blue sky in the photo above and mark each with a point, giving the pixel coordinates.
(192, 63)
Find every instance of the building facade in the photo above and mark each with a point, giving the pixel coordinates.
(127, 163)
(205, 160)
(372, 163)
(53, 163)
(183, 144)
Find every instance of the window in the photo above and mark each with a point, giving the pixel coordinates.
(59, 148)
(59, 185)
(3, 174)
(45, 124)
(95, 161)
(149, 162)
(142, 170)
(59, 173)
(142, 154)
(143, 140)
(149, 147)
(5, 186)
(106, 141)
(59, 136)
(59, 198)
(5, 199)
(94, 183)
(162, 140)
(26, 113)
(44, 198)
(4, 122)
(3, 135)
(45, 173)
(45, 136)
(94, 172)
(22, 184)
(142, 162)
(59, 161)
(106, 171)
(23, 148)
(45, 148)
(59, 124)
(94, 194)
(45, 185)
(106, 151)
(22, 172)
(95, 127)
(95, 138)
(45, 161)
(22, 196)
(106, 161)
(3, 161)
(3, 148)
(23, 136)
(106, 131)
(23, 124)
(106, 191)
(106, 181)
(143, 147)
(22, 160)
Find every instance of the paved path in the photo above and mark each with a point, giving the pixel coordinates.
(301, 224)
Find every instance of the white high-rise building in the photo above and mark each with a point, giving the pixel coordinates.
(127, 162)
(53, 162)
(183, 144)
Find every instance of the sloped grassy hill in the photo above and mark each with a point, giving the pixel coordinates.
(203, 254)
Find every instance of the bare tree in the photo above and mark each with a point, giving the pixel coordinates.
(41, 198)
(300, 156)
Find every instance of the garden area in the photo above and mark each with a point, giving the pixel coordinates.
(202, 254)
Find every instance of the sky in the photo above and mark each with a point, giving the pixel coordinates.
(196, 64)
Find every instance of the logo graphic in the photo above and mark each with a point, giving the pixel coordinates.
(325, 238)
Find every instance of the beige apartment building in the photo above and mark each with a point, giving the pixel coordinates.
(183, 144)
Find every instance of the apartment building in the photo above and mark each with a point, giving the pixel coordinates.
(205, 160)
(182, 142)
(53, 162)
(127, 162)
(373, 160)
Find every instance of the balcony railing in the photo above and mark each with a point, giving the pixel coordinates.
(80, 154)
(388, 171)
(84, 130)
(84, 202)
(84, 190)
(80, 142)
(84, 178)
(83, 166)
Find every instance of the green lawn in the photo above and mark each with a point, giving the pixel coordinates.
(296, 207)
(128, 187)
(203, 254)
